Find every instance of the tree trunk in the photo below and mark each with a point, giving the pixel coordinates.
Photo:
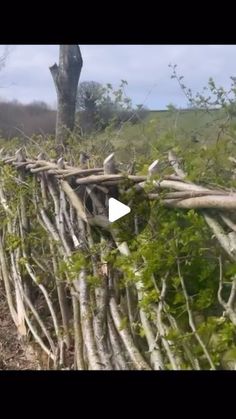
(66, 78)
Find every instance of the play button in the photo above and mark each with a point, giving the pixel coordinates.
(116, 210)
(125, 205)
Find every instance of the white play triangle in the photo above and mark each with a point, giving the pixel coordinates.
(116, 210)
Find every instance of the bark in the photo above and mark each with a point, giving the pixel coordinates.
(66, 78)
(7, 284)
(81, 286)
(134, 353)
(118, 351)
(216, 202)
(79, 359)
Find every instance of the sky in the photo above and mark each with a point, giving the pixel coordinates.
(26, 76)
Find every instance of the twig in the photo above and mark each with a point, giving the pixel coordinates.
(191, 321)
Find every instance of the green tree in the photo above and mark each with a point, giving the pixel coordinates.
(101, 105)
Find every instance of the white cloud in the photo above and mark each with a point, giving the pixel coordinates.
(26, 76)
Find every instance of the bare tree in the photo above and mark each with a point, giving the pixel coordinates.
(66, 78)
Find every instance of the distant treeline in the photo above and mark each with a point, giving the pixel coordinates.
(17, 119)
(34, 118)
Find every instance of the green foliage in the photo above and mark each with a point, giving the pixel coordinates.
(12, 242)
(73, 265)
(101, 107)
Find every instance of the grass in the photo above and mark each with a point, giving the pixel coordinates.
(143, 142)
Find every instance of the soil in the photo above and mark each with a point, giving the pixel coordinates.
(14, 355)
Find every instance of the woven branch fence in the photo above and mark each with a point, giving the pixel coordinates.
(50, 212)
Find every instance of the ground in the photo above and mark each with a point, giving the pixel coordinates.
(13, 354)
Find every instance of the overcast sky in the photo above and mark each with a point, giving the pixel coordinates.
(26, 76)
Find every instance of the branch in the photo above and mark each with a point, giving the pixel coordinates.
(220, 235)
(215, 201)
(191, 321)
(220, 299)
(161, 327)
(176, 165)
(134, 353)
(229, 306)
